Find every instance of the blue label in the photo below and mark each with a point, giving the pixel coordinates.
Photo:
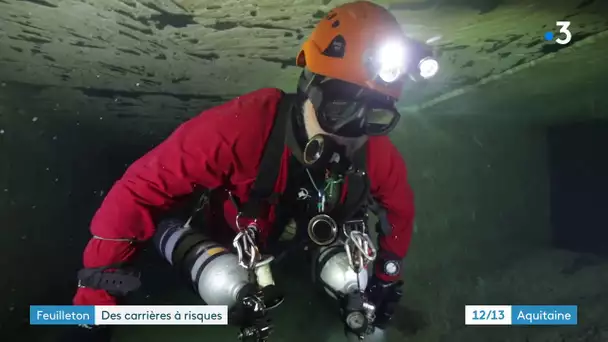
(544, 315)
(62, 315)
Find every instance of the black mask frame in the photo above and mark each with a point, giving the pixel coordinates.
(347, 113)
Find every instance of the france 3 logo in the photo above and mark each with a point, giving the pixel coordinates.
(564, 35)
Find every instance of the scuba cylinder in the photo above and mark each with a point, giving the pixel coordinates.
(219, 278)
(332, 270)
(212, 269)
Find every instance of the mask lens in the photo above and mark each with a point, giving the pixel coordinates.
(352, 119)
(337, 113)
(338, 110)
(347, 110)
(380, 121)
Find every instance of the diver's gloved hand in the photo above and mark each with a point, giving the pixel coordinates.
(385, 296)
(87, 334)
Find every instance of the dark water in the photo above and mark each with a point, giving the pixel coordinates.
(59, 159)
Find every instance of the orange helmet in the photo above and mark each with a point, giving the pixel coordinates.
(360, 43)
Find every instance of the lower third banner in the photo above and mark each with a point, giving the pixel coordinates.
(521, 315)
(129, 315)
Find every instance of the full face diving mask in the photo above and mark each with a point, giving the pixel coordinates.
(347, 110)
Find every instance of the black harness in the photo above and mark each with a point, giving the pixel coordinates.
(262, 194)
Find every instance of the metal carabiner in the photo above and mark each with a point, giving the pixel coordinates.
(203, 200)
(360, 250)
(349, 254)
(364, 244)
(244, 243)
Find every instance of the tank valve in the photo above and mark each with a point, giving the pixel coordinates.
(269, 292)
(255, 326)
(264, 295)
(255, 334)
(263, 273)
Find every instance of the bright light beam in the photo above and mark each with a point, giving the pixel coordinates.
(391, 61)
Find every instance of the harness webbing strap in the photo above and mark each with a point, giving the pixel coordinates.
(263, 186)
(262, 191)
(357, 193)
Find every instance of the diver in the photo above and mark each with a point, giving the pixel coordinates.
(267, 161)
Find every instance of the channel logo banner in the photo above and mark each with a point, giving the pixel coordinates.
(129, 315)
(521, 315)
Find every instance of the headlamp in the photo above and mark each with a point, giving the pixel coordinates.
(390, 61)
(428, 67)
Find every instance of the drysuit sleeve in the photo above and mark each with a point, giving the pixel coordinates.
(390, 188)
(196, 154)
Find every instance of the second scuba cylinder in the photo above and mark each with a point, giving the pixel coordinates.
(332, 270)
(213, 270)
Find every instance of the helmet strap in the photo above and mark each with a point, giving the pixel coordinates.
(298, 125)
(307, 86)
(306, 90)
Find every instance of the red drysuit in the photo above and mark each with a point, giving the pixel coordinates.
(222, 147)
